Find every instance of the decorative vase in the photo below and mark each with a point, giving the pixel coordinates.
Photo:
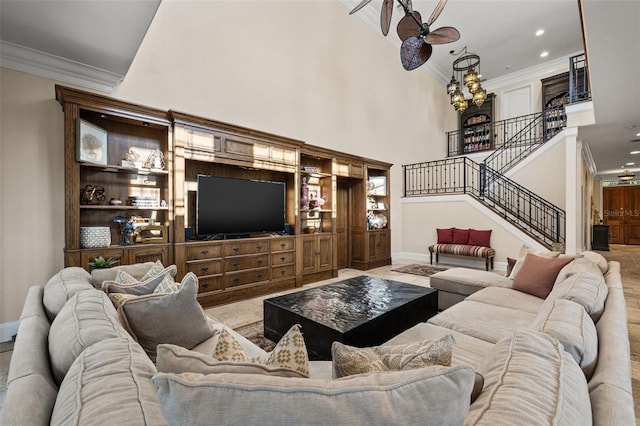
(95, 236)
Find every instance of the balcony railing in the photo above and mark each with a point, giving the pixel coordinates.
(578, 79)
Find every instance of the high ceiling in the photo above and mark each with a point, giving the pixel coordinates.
(105, 36)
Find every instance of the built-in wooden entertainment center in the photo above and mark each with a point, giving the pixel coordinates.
(337, 204)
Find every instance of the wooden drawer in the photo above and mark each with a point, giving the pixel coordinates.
(249, 247)
(278, 272)
(203, 140)
(283, 244)
(240, 278)
(205, 267)
(239, 263)
(204, 252)
(209, 284)
(283, 258)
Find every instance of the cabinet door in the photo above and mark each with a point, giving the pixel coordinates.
(87, 256)
(325, 252)
(149, 254)
(309, 254)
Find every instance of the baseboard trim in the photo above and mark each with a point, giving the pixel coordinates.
(8, 330)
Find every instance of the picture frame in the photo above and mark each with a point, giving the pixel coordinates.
(377, 185)
(91, 143)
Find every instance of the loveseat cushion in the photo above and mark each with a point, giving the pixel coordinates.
(62, 286)
(87, 318)
(586, 288)
(531, 380)
(427, 396)
(568, 322)
(482, 321)
(109, 384)
(508, 298)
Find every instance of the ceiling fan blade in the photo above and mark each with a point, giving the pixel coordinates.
(362, 4)
(414, 52)
(408, 26)
(443, 35)
(385, 16)
(436, 12)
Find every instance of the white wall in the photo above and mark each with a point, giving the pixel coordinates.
(301, 69)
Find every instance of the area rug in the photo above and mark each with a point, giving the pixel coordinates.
(255, 333)
(420, 269)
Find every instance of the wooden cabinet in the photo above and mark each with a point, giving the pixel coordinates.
(476, 125)
(116, 166)
(317, 194)
(315, 256)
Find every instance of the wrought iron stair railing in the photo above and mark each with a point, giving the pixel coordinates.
(524, 209)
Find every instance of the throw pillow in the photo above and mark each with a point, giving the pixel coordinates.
(175, 359)
(125, 283)
(524, 251)
(175, 318)
(158, 269)
(480, 237)
(460, 236)
(510, 264)
(427, 396)
(167, 285)
(538, 274)
(445, 236)
(349, 360)
(290, 352)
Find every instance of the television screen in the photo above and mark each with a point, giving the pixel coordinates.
(228, 206)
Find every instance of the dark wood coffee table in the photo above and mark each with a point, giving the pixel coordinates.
(361, 311)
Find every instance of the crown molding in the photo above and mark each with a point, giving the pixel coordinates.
(24, 59)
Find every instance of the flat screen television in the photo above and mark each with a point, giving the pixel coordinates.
(239, 207)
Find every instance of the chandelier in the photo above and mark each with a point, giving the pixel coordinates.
(466, 69)
(626, 176)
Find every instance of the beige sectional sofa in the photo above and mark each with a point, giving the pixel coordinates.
(564, 360)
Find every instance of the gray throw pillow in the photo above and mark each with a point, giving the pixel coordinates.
(175, 318)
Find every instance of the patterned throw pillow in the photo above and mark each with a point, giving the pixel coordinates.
(290, 352)
(167, 285)
(157, 269)
(119, 298)
(349, 360)
(126, 283)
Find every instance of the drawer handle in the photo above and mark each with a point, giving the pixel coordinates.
(282, 245)
(204, 268)
(236, 249)
(259, 261)
(204, 252)
(259, 248)
(205, 286)
(259, 276)
(282, 258)
(235, 265)
(282, 272)
(236, 280)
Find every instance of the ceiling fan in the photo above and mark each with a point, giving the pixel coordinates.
(416, 36)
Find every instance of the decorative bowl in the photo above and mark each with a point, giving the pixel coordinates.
(95, 236)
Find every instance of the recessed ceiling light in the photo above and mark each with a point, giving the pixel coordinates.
(631, 126)
(637, 134)
(539, 32)
(634, 152)
(544, 54)
(630, 164)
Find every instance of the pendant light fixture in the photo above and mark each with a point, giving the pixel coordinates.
(466, 69)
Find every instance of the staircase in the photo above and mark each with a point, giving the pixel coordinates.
(516, 138)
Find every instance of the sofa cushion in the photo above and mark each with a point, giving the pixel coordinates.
(349, 360)
(445, 236)
(460, 236)
(537, 274)
(62, 286)
(87, 318)
(510, 264)
(508, 298)
(175, 318)
(586, 288)
(176, 359)
(570, 324)
(596, 258)
(466, 281)
(531, 380)
(127, 284)
(479, 237)
(578, 265)
(427, 396)
(290, 352)
(482, 321)
(522, 254)
(109, 383)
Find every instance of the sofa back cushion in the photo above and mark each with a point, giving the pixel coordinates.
(87, 318)
(427, 396)
(568, 322)
(531, 380)
(460, 236)
(62, 286)
(109, 384)
(598, 259)
(586, 288)
(445, 236)
(479, 237)
(137, 270)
